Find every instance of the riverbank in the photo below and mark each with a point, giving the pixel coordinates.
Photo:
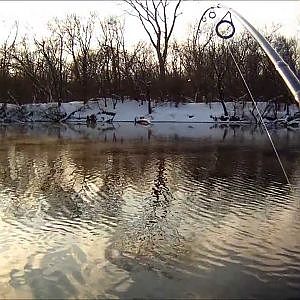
(129, 110)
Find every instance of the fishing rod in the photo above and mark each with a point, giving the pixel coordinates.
(281, 66)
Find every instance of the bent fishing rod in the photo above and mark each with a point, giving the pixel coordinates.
(288, 76)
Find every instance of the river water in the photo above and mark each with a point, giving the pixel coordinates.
(185, 211)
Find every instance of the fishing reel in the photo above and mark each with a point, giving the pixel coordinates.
(225, 28)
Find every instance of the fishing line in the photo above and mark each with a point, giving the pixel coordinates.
(225, 36)
(261, 118)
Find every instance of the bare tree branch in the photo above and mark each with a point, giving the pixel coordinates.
(154, 20)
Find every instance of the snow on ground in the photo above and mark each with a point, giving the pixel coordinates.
(202, 112)
(128, 110)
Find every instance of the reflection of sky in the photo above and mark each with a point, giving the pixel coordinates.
(217, 217)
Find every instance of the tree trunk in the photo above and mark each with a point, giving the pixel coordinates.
(149, 102)
(224, 107)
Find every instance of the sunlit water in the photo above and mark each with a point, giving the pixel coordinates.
(185, 211)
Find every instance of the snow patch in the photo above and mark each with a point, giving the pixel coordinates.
(129, 110)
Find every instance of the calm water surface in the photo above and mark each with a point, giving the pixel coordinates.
(185, 211)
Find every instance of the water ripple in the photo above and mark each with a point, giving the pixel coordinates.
(100, 219)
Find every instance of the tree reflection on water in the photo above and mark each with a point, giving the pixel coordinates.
(87, 218)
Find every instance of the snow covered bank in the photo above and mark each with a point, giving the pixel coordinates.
(128, 110)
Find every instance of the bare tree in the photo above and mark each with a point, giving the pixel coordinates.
(113, 44)
(29, 67)
(52, 53)
(6, 55)
(154, 18)
(79, 41)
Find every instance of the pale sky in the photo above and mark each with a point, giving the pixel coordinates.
(34, 15)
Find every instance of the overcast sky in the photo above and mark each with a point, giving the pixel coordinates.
(34, 15)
